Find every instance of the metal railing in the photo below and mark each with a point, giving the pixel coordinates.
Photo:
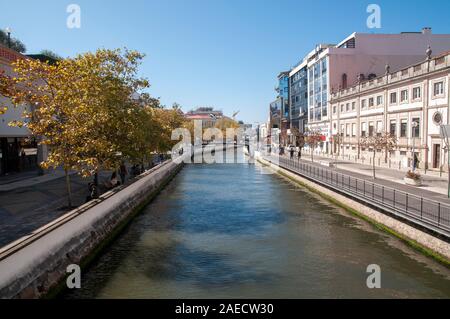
(424, 212)
(27, 240)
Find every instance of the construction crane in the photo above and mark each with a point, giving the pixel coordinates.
(234, 115)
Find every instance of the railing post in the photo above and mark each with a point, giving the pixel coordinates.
(421, 207)
(439, 213)
(394, 197)
(364, 184)
(373, 190)
(356, 186)
(406, 208)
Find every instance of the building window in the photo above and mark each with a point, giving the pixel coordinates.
(404, 96)
(379, 128)
(334, 109)
(347, 130)
(353, 106)
(393, 97)
(393, 128)
(403, 128)
(342, 108)
(417, 94)
(353, 129)
(379, 99)
(363, 129)
(347, 107)
(371, 128)
(437, 118)
(363, 104)
(438, 88)
(342, 129)
(415, 131)
(371, 102)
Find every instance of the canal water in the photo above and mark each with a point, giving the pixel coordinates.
(230, 231)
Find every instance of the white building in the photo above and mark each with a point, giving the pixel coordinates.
(360, 56)
(392, 103)
(17, 150)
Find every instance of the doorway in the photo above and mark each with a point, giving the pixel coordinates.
(436, 155)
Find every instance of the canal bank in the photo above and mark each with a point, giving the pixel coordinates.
(420, 240)
(241, 231)
(36, 265)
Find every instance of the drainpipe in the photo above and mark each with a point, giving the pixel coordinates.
(425, 123)
(358, 117)
(386, 101)
(448, 122)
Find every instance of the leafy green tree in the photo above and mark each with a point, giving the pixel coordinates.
(51, 54)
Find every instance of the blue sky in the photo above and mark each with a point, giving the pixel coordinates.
(221, 53)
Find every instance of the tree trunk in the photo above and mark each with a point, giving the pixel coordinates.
(373, 163)
(96, 178)
(69, 190)
(386, 155)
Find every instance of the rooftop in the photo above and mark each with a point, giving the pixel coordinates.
(434, 64)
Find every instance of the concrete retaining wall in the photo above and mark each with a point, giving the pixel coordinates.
(423, 239)
(34, 270)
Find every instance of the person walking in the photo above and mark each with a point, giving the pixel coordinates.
(415, 162)
(291, 152)
(123, 172)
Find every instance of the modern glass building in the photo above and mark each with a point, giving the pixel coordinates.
(318, 90)
(283, 93)
(298, 82)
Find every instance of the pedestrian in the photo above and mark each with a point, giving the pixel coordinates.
(415, 162)
(123, 172)
(135, 170)
(93, 192)
(299, 153)
(113, 182)
(291, 152)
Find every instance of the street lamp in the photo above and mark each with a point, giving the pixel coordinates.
(8, 33)
(414, 125)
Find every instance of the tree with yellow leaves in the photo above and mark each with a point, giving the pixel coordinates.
(85, 108)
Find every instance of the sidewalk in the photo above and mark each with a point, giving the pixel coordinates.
(27, 204)
(27, 179)
(434, 187)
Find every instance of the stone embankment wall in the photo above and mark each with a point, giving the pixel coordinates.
(423, 241)
(36, 265)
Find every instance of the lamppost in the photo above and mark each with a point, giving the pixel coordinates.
(414, 125)
(8, 33)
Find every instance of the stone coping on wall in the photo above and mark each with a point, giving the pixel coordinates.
(35, 264)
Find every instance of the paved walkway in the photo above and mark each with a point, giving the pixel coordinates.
(432, 188)
(29, 178)
(28, 204)
(431, 181)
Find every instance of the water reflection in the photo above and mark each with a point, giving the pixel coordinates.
(221, 231)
